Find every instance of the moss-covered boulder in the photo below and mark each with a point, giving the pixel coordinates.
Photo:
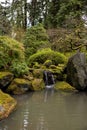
(5, 79)
(29, 77)
(7, 105)
(37, 84)
(19, 86)
(58, 71)
(64, 86)
(38, 73)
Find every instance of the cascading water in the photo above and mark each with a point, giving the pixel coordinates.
(48, 79)
(45, 78)
(53, 79)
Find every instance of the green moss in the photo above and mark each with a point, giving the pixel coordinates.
(20, 81)
(69, 54)
(47, 63)
(47, 54)
(14, 89)
(29, 76)
(19, 86)
(12, 56)
(38, 73)
(10, 50)
(3, 74)
(38, 84)
(36, 65)
(64, 86)
(53, 67)
(43, 67)
(4, 98)
(7, 104)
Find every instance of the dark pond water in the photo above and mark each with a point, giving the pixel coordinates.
(48, 110)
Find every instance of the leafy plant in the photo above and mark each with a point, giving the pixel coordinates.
(35, 38)
(19, 68)
(10, 50)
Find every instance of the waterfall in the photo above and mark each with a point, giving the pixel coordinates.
(53, 79)
(45, 78)
(48, 79)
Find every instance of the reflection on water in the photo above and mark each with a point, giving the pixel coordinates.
(48, 93)
(48, 110)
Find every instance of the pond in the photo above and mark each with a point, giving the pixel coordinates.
(48, 110)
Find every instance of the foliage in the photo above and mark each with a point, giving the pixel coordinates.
(52, 13)
(66, 40)
(19, 68)
(47, 63)
(35, 39)
(36, 65)
(18, 33)
(5, 25)
(64, 12)
(47, 54)
(10, 50)
(70, 10)
(54, 7)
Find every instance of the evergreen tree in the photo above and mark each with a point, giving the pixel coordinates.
(54, 7)
(19, 13)
(5, 25)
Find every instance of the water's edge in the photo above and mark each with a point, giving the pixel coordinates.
(48, 110)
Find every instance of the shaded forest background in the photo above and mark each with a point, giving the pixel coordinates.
(64, 20)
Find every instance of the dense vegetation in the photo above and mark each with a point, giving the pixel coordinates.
(58, 25)
(35, 39)
(10, 50)
(38, 36)
(47, 54)
(12, 56)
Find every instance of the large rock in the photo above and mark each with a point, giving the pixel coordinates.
(19, 86)
(5, 79)
(37, 84)
(77, 71)
(7, 105)
(38, 73)
(64, 86)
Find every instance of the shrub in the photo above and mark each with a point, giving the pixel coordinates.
(36, 65)
(47, 54)
(19, 68)
(10, 50)
(35, 38)
(47, 63)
